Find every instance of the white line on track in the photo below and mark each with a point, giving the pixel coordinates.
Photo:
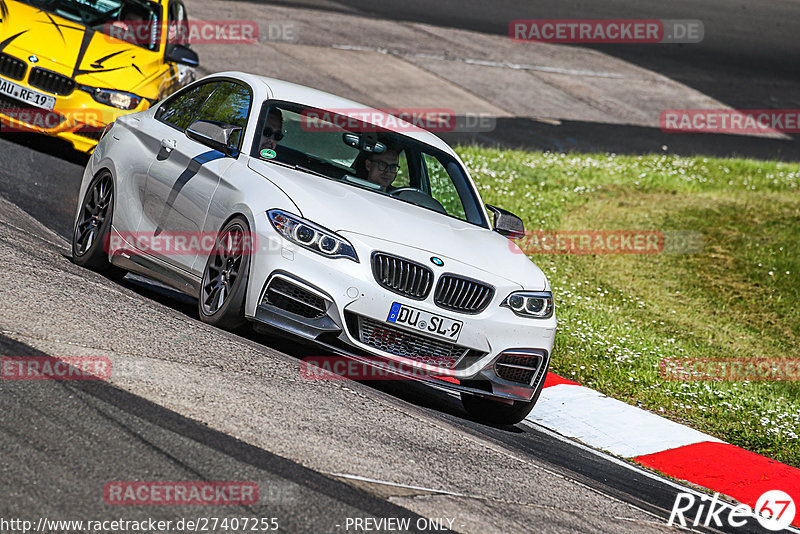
(482, 62)
(397, 485)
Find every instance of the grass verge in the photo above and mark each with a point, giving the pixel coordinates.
(620, 315)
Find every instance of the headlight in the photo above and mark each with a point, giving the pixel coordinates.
(311, 236)
(117, 99)
(536, 304)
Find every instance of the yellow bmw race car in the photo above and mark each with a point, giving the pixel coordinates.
(70, 67)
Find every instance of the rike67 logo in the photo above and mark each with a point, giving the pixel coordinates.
(775, 510)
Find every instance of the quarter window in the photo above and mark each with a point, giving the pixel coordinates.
(403, 178)
(443, 189)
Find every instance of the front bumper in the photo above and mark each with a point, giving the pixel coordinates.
(345, 295)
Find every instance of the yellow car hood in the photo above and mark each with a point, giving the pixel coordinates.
(69, 48)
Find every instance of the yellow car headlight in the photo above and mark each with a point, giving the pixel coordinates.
(110, 97)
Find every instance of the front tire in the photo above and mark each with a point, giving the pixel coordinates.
(497, 413)
(90, 235)
(224, 286)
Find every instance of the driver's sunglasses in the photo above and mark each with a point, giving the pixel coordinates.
(277, 135)
(383, 166)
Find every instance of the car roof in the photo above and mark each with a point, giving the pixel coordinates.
(292, 92)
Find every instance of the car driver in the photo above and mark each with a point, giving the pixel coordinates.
(382, 168)
(273, 130)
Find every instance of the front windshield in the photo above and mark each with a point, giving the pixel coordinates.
(135, 21)
(361, 155)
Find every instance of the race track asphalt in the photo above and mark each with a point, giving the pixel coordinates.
(189, 402)
(194, 403)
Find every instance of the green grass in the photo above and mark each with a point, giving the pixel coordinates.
(621, 314)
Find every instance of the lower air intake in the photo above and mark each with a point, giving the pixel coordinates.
(409, 345)
(294, 299)
(521, 368)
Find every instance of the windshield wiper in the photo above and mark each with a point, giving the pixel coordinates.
(79, 9)
(311, 171)
(299, 167)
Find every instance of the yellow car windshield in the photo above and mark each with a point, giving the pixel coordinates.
(135, 21)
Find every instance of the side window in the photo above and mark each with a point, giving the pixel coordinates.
(442, 187)
(177, 24)
(403, 178)
(181, 111)
(229, 104)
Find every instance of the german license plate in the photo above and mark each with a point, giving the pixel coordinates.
(28, 96)
(425, 322)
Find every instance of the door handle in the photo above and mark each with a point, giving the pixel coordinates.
(169, 144)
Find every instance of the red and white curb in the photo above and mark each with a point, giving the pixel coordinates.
(584, 414)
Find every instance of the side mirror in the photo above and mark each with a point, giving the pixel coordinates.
(184, 55)
(506, 223)
(216, 135)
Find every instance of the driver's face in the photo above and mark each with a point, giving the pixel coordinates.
(387, 161)
(274, 124)
(131, 28)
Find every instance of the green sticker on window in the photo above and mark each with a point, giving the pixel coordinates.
(268, 153)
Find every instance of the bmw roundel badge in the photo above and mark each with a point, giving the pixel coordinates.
(33, 59)
(437, 261)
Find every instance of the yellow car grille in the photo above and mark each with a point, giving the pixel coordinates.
(12, 67)
(52, 82)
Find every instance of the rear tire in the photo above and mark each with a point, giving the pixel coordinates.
(498, 413)
(90, 234)
(224, 286)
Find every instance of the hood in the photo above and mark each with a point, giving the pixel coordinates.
(69, 48)
(349, 209)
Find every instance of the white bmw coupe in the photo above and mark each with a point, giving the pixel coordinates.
(321, 218)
